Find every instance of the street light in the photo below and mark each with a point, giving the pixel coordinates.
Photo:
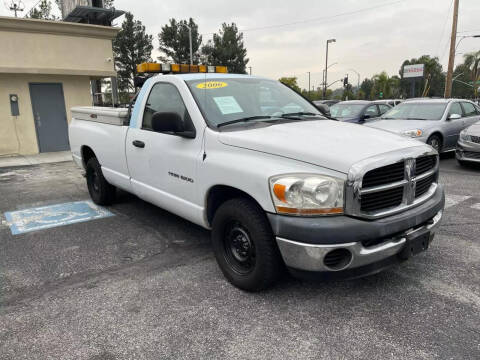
(358, 75)
(190, 40)
(465, 37)
(326, 68)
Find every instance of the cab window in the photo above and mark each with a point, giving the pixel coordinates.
(383, 108)
(455, 108)
(372, 111)
(469, 109)
(165, 98)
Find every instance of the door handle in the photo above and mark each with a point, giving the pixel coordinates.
(138, 143)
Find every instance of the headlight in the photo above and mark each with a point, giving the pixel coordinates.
(413, 133)
(464, 136)
(307, 194)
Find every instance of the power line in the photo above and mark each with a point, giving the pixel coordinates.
(444, 26)
(33, 7)
(330, 17)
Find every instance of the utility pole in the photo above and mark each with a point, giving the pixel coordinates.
(326, 68)
(189, 39)
(309, 83)
(250, 70)
(451, 59)
(16, 7)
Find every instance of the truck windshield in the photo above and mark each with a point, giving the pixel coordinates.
(416, 111)
(231, 100)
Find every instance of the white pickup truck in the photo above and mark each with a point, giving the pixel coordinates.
(277, 183)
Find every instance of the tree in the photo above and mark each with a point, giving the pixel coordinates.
(132, 46)
(227, 49)
(291, 82)
(366, 88)
(42, 11)
(384, 86)
(472, 63)
(433, 81)
(175, 44)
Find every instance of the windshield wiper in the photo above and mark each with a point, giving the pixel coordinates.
(245, 119)
(414, 118)
(299, 114)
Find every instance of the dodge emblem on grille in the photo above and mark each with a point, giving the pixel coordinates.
(410, 170)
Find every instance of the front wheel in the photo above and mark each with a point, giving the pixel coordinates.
(244, 245)
(436, 142)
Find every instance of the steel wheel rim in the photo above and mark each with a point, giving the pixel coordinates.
(435, 143)
(239, 248)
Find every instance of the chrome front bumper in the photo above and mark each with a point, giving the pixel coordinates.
(310, 257)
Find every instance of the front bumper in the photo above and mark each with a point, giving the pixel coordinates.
(468, 151)
(305, 242)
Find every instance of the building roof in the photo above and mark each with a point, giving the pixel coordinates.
(57, 27)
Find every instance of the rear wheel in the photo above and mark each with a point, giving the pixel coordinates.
(244, 245)
(436, 142)
(101, 192)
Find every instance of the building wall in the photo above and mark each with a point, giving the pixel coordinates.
(76, 90)
(55, 47)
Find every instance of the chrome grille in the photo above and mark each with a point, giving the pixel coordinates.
(391, 188)
(384, 175)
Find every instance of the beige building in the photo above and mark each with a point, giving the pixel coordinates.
(45, 69)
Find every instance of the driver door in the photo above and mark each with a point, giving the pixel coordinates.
(163, 166)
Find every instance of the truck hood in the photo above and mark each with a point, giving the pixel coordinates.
(330, 144)
(399, 126)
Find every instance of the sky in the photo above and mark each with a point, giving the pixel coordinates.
(287, 38)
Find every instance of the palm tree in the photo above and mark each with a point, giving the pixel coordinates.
(385, 84)
(472, 62)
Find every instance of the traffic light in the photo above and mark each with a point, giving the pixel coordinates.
(345, 81)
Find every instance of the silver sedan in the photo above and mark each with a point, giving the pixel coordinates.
(437, 122)
(468, 146)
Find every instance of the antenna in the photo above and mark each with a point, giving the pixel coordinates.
(16, 6)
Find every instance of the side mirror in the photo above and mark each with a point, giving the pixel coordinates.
(366, 117)
(170, 122)
(454, 117)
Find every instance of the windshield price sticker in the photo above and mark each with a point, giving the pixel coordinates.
(212, 85)
(228, 105)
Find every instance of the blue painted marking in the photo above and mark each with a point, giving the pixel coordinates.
(138, 103)
(45, 217)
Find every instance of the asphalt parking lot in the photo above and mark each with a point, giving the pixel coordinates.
(143, 284)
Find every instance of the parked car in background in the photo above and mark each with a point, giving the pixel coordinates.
(391, 102)
(329, 103)
(437, 122)
(468, 146)
(357, 111)
(323, 108)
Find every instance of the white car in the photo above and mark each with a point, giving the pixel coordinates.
(277, 183)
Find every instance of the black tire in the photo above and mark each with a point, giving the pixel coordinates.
(244, 245)
(435, 141)
(101, 192)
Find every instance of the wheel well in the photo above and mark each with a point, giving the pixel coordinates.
(218, 194)
(87, 154)
(436, 134)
